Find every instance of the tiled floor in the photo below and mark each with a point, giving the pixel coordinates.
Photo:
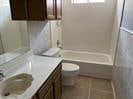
(88, 88)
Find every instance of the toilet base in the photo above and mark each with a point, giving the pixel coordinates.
(68, 81)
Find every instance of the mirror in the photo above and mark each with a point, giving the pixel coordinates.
(14, 40)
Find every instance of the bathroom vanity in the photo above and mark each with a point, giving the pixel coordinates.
(34, 78)
(52, 87)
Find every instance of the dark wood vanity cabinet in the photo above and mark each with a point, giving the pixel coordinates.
(36, 10)
(52, 88)
(57, 87)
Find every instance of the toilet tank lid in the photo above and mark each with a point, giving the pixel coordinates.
(51, 52)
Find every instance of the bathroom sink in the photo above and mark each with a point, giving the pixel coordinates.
(15, 85)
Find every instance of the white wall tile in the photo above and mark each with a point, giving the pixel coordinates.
(88, 27)
(116, 25)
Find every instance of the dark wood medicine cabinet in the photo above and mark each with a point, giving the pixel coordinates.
(36, 10)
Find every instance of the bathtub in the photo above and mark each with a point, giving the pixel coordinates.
(91, 64)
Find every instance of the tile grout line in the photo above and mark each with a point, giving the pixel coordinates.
(89, 88)
(102, 90)
(89, 93)
(114, 94)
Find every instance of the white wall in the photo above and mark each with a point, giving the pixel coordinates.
(116, 25)
(88, 27)
(39, 34)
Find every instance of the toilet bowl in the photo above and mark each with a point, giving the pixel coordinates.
(69, 70)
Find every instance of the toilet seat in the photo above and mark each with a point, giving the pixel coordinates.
(69, 69)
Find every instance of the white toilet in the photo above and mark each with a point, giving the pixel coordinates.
(69, 70)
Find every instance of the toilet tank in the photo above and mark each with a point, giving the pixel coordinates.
(52, 52)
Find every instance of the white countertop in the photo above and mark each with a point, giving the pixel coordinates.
(6, 57)
(40, 68)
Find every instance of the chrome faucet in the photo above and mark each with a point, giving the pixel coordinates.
(1, 75)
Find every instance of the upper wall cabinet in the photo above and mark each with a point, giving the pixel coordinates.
(36, 9)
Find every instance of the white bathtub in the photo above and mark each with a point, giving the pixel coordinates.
(91, 64)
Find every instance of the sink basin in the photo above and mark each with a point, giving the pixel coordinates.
(15, 85)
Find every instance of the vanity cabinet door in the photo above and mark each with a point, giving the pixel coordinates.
(18, 9)
(36, 10)
(34, 97)
(58, 9)
(58, 87)
(43, 93)
(49, 94)
(54, 9)
(51, 13)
